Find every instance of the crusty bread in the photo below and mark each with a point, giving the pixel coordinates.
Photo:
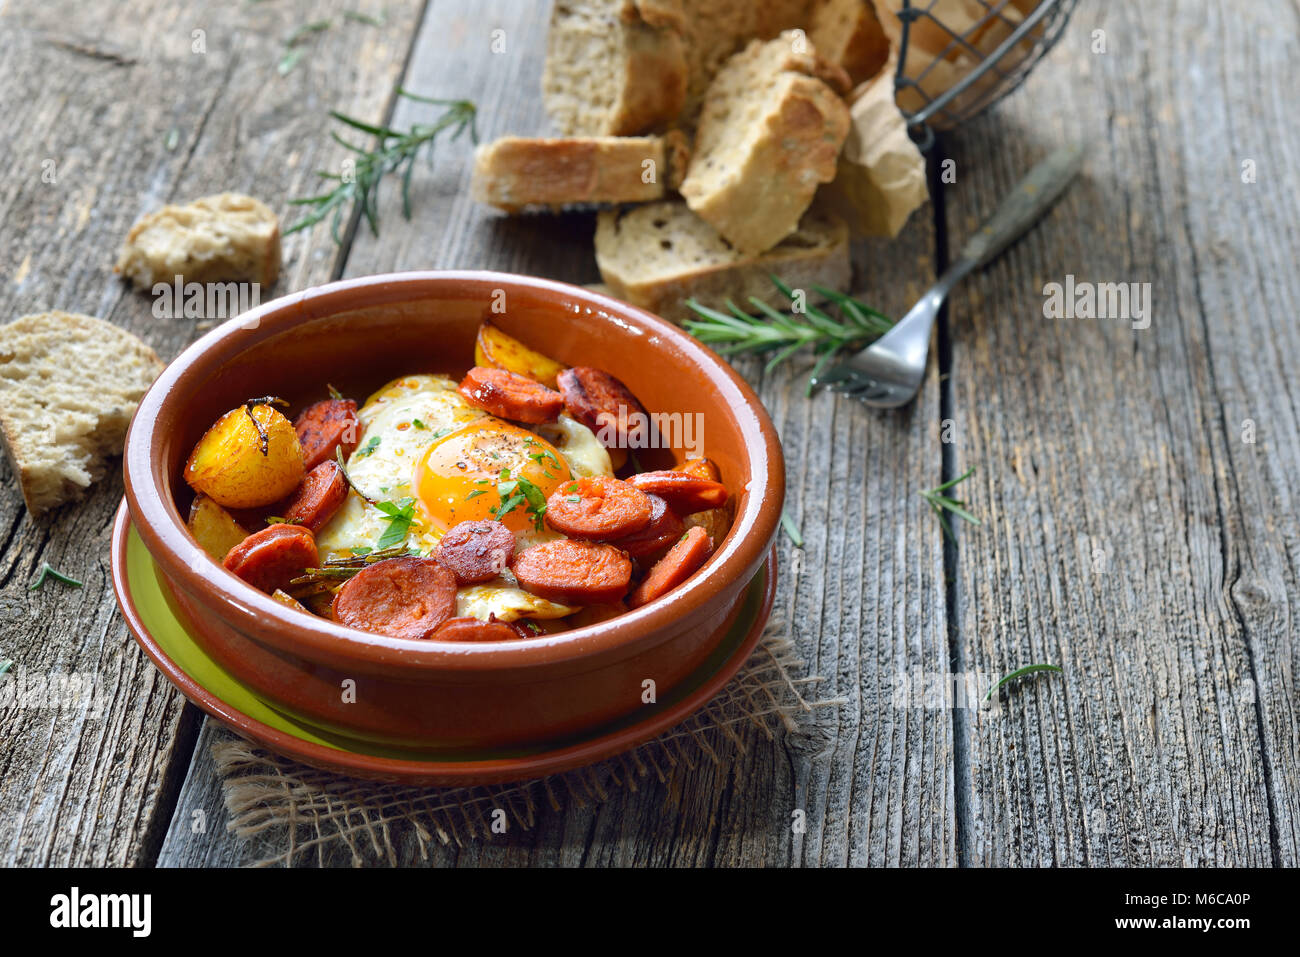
(770, 131)
(713, 30)
(222, 238)
(660, 254)
(516, 172)
(614, 67)
(847, 32)
(69, 385)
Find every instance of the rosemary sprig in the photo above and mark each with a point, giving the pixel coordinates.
(1020, 673)
(48, 571)
(395, 151)
(769, 330)
(944, 503)
(791, 529)
(338, 570)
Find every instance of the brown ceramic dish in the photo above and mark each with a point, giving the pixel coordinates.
(360, 333)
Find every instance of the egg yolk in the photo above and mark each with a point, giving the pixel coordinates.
(457, 478)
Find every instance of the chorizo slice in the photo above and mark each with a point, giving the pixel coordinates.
(328, 425)
(476, 551)
(321, 494)
(399, 597)
(601, 403)
(681, 562)
(574, 573)
(268, 559)
(598, 506)
(659, 534)
(684, 492)
(508, 395)
(467, 628)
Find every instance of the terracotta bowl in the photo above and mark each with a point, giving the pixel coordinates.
(357, 335)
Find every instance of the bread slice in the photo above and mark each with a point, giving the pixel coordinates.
(714, 30)
(658, 255)
(69, 385)
(614, 67)
(772, 126)
(516, 172)
(222, 238)
(848, 33)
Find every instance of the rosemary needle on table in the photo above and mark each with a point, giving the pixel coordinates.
(736, 331)
(945, 503)
(395, 150)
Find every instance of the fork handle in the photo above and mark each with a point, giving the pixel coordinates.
(1032, 197)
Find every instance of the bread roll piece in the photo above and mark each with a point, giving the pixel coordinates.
(658, 255)
(772, 126)
(847, 32)
(614, 67)
(222, 238)
(69, 385)
(715, 30)
(516, 172)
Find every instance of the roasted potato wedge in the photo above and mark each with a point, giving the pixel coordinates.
(214, 528)
(228, 464)
(496, 349)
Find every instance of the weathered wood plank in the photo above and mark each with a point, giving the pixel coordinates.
(100, 122)
(1129, 532)
(866, 604)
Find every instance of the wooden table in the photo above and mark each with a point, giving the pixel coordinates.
(1135, 485)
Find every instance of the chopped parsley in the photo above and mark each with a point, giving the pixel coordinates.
(418, 424)
(368, 448)
(520, 491)
(400, 517)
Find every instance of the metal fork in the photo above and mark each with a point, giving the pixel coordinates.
(888, 373)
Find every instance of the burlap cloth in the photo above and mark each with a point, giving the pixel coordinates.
(294, 813)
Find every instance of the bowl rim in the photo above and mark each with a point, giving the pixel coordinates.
(149, 497)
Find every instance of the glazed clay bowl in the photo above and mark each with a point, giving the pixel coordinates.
(359, 334)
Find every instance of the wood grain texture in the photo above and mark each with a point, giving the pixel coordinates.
(1130, 534)
(864, 597)
(101, 121)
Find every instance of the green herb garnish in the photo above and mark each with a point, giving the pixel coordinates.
(334, 393)
(400, 517)
(941, 503)
(368, 448)
(791, 530)
(395, 151)
(476, 493)
(769, 330)
(47, 571)
(520, 491)
(418, 424)
(1021, 672)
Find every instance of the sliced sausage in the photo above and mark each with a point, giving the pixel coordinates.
(685, 493)
(508, 395)
(476, 551)
(679, 564)
(324, 427)
(474, 629)
(270, 558)
(321, 494)
(601, 403)
(598, 507)
(659, 534)
(399, 597)
(574, 573)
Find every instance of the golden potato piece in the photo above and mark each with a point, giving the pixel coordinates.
(214, 528)
(700, 468)
(230, 466)
(494, 348)
(284, 598)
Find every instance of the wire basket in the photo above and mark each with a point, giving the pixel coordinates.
(976, 66)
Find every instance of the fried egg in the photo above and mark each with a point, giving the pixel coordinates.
(430, 456)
